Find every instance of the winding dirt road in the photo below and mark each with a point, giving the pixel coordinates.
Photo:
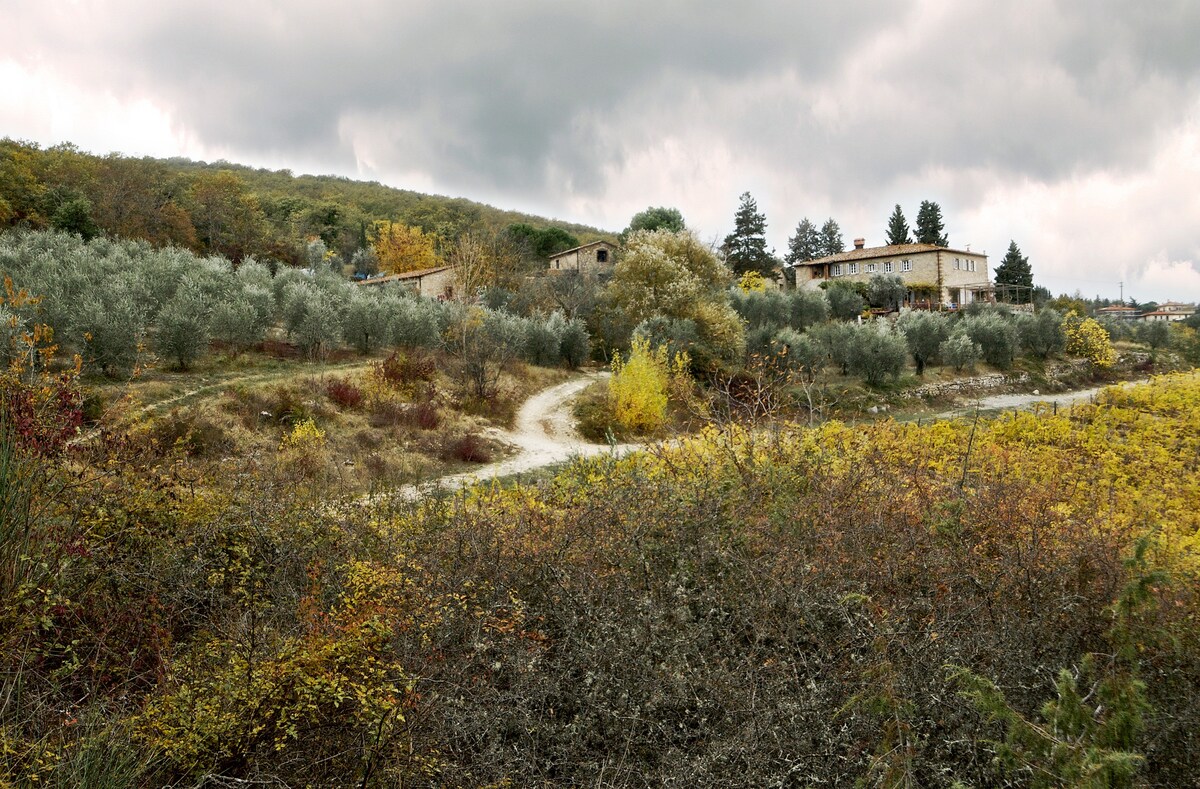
(544, 434)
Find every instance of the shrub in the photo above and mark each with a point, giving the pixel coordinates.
(468, 448)
(1089, 340)
(875, 352)
(960, 351)
(195, 435)
(807, 308)
(305, 435)
(543, 339)
(800, 352)
(287, 405)
(403, 371)
(996, 335)
(344, 393)
(638, 387)
(1155, 334)
(424, 415)
(1041, 334)
(845, 303)
(575, 344)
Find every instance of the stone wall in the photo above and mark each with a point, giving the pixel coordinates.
(993, 382)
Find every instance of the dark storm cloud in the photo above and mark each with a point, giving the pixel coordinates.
(548, 99)
(497, 89)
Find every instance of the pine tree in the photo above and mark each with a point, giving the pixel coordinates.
(746, 246)
(806, 244)
(1014, 269)
(930, 229)
(897, 229)
(831, 238)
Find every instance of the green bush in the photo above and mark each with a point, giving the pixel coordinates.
(960, 351)
(875, 352)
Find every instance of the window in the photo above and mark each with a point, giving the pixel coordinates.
(972, 265)
(906, 265)
(853, 268)
(601, 255)
(870, 268)
(887, 267)
(835, 270)
(957, 264)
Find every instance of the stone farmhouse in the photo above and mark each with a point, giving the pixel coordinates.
(937, 277)
(433, 283)
(596, 258)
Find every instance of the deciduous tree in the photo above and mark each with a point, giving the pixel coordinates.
(660, 218)
(400, 248)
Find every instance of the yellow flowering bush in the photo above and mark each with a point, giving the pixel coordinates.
(638, 387)
(305, 435)
(1088, 339)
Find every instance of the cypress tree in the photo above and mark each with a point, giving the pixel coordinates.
(930, 229)
(831, 238)
(746, 246)
(806, 244)
(897, 229)
(1014, 269)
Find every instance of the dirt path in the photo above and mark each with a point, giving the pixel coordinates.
(1015, 402)
(217, 383)
(544, 434)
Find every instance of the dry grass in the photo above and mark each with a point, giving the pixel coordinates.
(387, 437)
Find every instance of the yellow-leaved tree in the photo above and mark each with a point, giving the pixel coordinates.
(401, 248)
(638, 387)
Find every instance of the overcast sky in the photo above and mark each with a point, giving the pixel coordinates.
(1071, 127)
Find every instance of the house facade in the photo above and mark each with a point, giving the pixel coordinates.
(937, 277)
(1170, 311)
(432, 283)
(597, 257)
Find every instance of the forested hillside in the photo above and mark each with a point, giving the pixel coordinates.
(223, 208)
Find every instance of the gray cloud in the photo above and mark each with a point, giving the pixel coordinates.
(848, 107)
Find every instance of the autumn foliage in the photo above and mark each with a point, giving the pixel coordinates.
(891, 604)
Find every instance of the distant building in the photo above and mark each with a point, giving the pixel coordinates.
(936, 276)
(1118, 311)
(1170, 311)
(597, 257)
(432, 283)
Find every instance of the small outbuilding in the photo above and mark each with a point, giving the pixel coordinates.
(597, 257)
(432, 283)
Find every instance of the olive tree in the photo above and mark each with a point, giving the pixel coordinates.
(924, 332)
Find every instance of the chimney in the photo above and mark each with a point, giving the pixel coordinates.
(858, 243)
